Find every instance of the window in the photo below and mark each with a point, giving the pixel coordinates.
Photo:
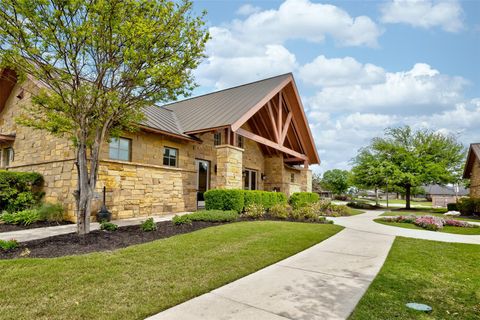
(250, 180)
(6, 157)
(292, 177)
(170, 156)
(240, 142)
(217, 138)
(120, 149)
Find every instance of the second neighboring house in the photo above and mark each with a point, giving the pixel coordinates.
(255, 136)
(472, 169)
(443, 195)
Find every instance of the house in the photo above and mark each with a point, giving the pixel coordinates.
(472, 169)
(443, 195)
(253, 136)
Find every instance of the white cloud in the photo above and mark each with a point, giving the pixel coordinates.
(302, 19)
(222, 72)
(248, 9)
(325, 72)
(424, 13)
(419, 90)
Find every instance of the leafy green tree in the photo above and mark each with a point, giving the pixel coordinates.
(102, 62)
(336, 180)
(415, 158)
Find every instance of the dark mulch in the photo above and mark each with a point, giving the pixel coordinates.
(39, 224)
(99, 240)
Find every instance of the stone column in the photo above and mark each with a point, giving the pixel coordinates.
(306, 180)
(229, 167)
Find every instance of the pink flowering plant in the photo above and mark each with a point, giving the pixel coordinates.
(430, 222)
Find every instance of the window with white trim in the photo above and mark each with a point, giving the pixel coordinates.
(250, 182)
(217, 138)
(6, 157)
(170, 156)
(120, 149)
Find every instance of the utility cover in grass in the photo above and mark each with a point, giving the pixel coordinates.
(419, 307)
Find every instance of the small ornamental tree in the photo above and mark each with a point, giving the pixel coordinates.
(415, 158)
(336, 180)
(101, 62)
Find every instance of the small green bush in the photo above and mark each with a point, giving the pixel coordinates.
(7, 245)
(25, 217)
(280, 211)
(52, 212)
(206, 215)
(452, 207)
(254, 211)
(301, 199)
(469, 206)
(19, 190)
(108, 226)
(265, 198)
(361, 205)
(148, 225)
(224, 199)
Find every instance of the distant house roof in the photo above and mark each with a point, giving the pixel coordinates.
(436, 189)
(473, 153)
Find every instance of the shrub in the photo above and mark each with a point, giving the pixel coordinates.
(19, 190)
(280, 211)
(52, 212)
(340, 210)
(265, 198)
(308, 213)
(340, 197)
(206, 215)
(452, 207)
(469, 206)
(7, 245)
(254, 211)
(301, 199)
(148, 225)
(458, 223)
(25, 217)
(108, 226)
(429, 223)
(361, 205)
(224, 199)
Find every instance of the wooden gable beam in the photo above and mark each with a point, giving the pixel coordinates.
(280, 111)
(272, 120)
(285, 128)
(271, 144)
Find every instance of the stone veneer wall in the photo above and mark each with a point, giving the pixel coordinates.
(229, 167)
(475, 180)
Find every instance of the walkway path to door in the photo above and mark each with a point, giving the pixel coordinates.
(325, 281)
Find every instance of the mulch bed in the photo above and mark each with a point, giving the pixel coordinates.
(99, 240)
(38, 224)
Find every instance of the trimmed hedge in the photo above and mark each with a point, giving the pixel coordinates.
(19, 190)
(452, 207)
(469, 206)
(237, 200)
(206, 215)
(301, 199)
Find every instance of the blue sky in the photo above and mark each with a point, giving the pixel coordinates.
(360, 66)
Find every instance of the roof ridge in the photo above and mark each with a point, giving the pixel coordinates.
(218, 91)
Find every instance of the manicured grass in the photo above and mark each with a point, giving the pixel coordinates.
(445, 229)
(443, 275)
(398, 201)
(424, 213)
(354, 212)
(139, 281)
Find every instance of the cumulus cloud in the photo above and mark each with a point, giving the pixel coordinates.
(325, 72)
(424, 13)
(248, 9)
(421, 90)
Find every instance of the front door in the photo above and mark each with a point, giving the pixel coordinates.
(203, 177)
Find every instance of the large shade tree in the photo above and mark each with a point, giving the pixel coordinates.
(336, 181)
(101, 62)
(414, 158)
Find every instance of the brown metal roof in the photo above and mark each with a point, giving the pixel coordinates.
(162, 119)
(225, 107)
(473, 152)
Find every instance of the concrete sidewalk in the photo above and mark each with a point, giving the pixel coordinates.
(325, 281)
(40, 233)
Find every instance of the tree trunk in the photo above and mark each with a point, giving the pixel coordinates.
(84, 191)
(407, 195)
(376, 196)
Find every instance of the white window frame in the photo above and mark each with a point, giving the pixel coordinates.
(170, 157)
(118, 149)
(248, 175)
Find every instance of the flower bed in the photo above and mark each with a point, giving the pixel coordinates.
(430, 222)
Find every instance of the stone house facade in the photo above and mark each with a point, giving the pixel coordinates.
(472, 169)
(254, 136)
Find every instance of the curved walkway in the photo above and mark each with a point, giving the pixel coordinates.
(364, 222)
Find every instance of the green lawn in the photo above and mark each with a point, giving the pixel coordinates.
(424, 213)
(443, 275)
(141, 280)
(445, 229)
(397, 201)
(354, 212)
